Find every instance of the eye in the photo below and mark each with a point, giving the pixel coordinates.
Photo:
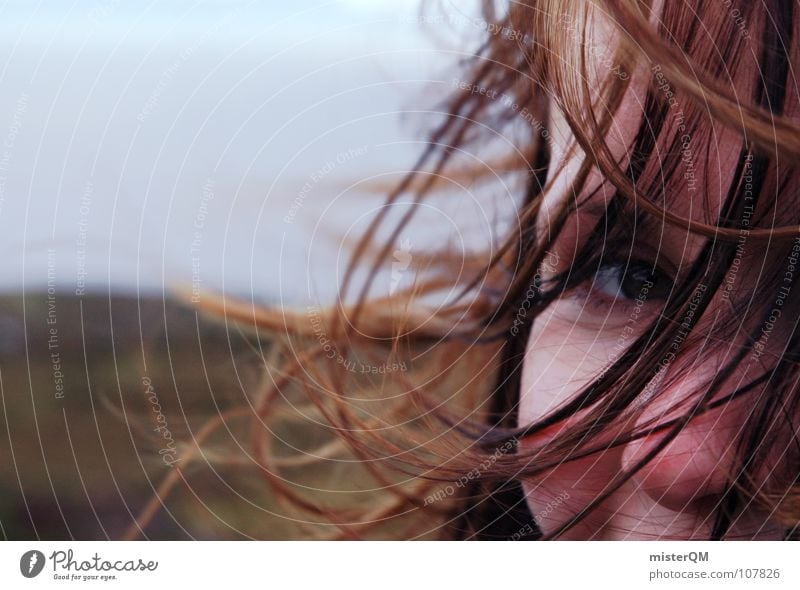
(632, 281)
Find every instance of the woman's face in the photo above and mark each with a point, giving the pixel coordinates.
(587, 329)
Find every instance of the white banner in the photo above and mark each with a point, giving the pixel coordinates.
(374, 565)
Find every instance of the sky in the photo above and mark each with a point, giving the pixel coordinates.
(117, 117)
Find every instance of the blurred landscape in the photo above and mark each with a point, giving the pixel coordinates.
(79, 463)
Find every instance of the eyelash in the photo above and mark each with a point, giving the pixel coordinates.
(653, 281)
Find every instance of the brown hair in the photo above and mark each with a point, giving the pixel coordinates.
(439, 441)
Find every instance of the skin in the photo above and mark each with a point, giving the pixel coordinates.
(574, 339)
(570, 344)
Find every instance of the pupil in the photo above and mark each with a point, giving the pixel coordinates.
(634, 281)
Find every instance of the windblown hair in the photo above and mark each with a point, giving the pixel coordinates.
(431, 451)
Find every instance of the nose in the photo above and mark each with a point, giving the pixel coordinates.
(672, 496)
(694, 465)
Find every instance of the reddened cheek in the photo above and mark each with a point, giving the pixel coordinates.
(693, 466)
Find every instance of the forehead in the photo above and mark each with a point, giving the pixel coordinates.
(688, 164)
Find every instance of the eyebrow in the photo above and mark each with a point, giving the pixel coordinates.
(641, 231)
(594, 207)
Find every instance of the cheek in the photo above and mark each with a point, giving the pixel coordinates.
(561, 358)
(554, 369)
(692, 467)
